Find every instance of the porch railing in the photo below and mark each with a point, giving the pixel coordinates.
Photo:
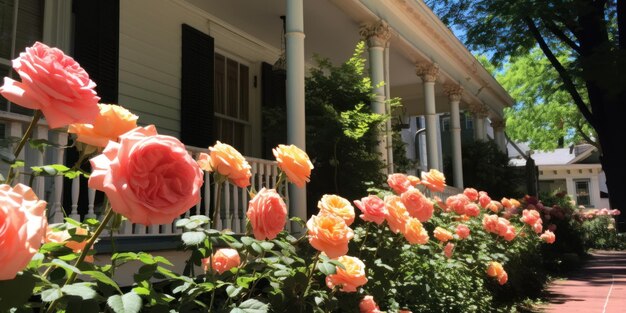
(231, 214)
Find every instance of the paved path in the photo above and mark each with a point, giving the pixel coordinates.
(599, 287)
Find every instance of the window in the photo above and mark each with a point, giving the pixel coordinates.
(21, 24)
(582, 192)
(469, 121)
(445, 123)
(231, 102)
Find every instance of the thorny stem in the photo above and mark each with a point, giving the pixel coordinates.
(308, 284)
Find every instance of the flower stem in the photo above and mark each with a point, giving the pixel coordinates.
(218, 198)
(367, 231)
(88, 245)
(310, 276)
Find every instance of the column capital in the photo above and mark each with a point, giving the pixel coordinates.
(427, 71)
(479, 109)
(498, 124)
(376, 34)
(453, 91)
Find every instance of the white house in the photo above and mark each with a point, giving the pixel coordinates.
(575, 170)
(201, 70)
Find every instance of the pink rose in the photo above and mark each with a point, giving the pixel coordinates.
(472, 209)
(53, 83)
(483, 199)
(530, 217)
(471, 193)
(548, 237)
(149, 178)
(373, 209)
(457, 203)
(368, 305)
(462, 231)
(222, 260)
(329, 234)
(22, 228)
(448, 250)
(400, 183)
(417, 204)
(267, 213)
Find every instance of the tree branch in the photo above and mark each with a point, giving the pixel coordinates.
(567, 80)
(580, 131)
(556, 31)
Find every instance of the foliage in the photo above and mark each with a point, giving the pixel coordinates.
(601, 233)
(544, 114)
(341, 129)
(485, 167)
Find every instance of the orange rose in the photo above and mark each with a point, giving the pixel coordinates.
(22, 228)
(494, 206)
(457, 203)
(336, 205)
(414, 180)
(329, 234)
(222, 260)
(267, 213)
(350, 278)
(472, 209)
(484, 199)
(502, 279)
(63, 236)
(414, 232)
(494, 269)
(417, 204)
(397, 214)
(111, 122)
(227, 161)
(442, 234)
(530, 217)
(434, 180)
(295, 163)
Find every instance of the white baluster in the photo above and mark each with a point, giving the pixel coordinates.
(41, 132)
(244, 209)
(266, 174)
(236, 221)
(140, 229)
(218, 218)
(227, 222)
(75, 193)
(274, 175)
(126, 228)
(261, 172)
(15, 130)
(91, 197)
(57, 206)
(154, 229)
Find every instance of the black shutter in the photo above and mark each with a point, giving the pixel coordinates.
(196, 92)
(274, 109)
(96, 48)
(96, 44)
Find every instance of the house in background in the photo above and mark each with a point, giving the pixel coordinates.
(202, 70)
(575, 170)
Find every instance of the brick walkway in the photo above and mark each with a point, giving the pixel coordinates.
(599, 287)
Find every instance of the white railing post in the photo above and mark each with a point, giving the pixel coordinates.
(218, 218)
(57, 207)
(41, 132)
(75, 193)
(91, 197)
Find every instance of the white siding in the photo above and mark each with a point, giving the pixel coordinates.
(150, 53)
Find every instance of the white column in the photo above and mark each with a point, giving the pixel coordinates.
(480, 112)
(294, 37)
(377, 35)
(571, 187)
(498, 134)
(429, 73)
(594, 190)
(454, 94)
(389, 132)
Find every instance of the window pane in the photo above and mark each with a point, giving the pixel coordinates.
(220, 83)
(4, 71)
(243, 92)
(239, 137)
(6, 28)
(227, 132)
(29, 24)
(582, 193)
(232, 87)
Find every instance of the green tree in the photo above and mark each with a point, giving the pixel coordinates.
(544, 114)
(592, 33)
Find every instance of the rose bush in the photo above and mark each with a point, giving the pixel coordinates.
(340, 263)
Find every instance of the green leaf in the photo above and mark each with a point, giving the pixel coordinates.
(257, 248)
(51, 294)
(267, 246)
(298, 220)
(251, 306)
(181, 222)
(327, 268)
(142, 291)
(103, 278)
(233, 291)
(83, 290)
(163, 260)
(65, 266)
(193, 238)
(128, 303)
(247, 241)
(200, 218)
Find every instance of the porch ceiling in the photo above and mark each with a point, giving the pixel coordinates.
(332, 30)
